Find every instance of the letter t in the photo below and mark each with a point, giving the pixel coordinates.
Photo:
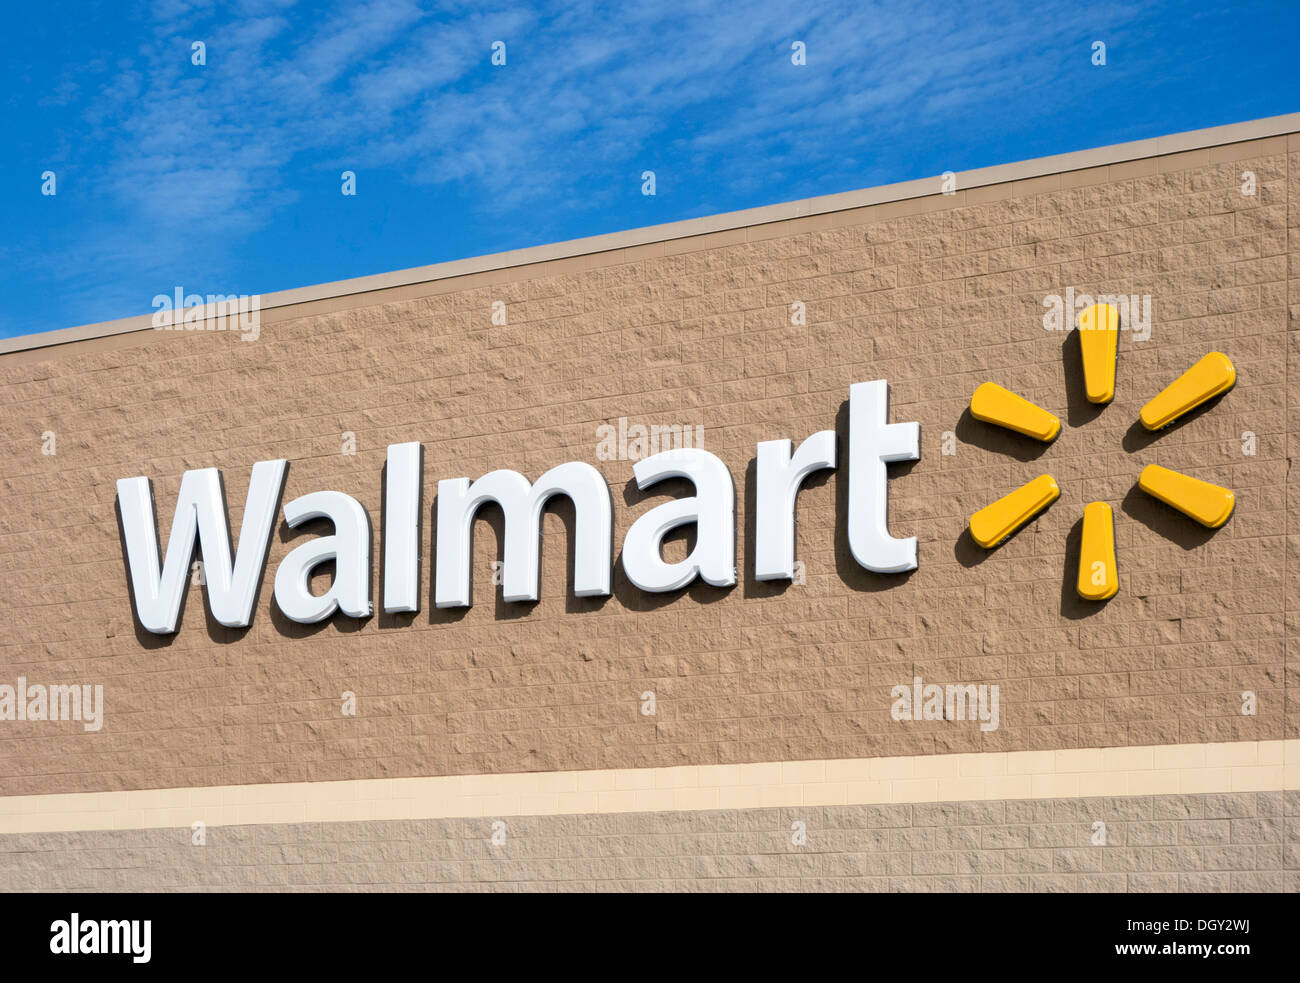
(874, 441)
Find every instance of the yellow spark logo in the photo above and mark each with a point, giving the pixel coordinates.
(1208, 504)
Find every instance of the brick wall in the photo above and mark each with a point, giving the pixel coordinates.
(1194, 843)
(936, 295)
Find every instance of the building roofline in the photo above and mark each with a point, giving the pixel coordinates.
(1215, 136)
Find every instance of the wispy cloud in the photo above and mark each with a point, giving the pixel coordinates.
(187, 165)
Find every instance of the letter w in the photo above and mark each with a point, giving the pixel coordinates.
(201, 510)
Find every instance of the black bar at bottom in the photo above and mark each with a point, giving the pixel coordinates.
(907, 933)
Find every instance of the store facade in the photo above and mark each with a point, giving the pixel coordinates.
(664, 560)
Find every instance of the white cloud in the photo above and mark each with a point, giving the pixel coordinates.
(196, 160)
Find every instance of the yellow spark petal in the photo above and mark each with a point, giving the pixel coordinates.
(994, 523)
(1001, 407)
(1099, 341)
(1208, 504)
(1210, 376)
(1098, 574)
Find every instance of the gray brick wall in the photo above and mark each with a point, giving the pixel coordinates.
(1238, 842)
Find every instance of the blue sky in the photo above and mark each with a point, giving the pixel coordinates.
(225, 177)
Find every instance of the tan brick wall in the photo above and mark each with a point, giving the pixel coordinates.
(1195, 843)
(936, 295)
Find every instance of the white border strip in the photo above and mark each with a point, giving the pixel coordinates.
(1215, 136)
(1177, 769)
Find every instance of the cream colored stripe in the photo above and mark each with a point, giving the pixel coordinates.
(1176, 769)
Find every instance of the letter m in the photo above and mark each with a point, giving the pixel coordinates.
(200, 511)
(962, 701)
(116, 937)
(522, 504)
(65, 702)
(225, 308)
